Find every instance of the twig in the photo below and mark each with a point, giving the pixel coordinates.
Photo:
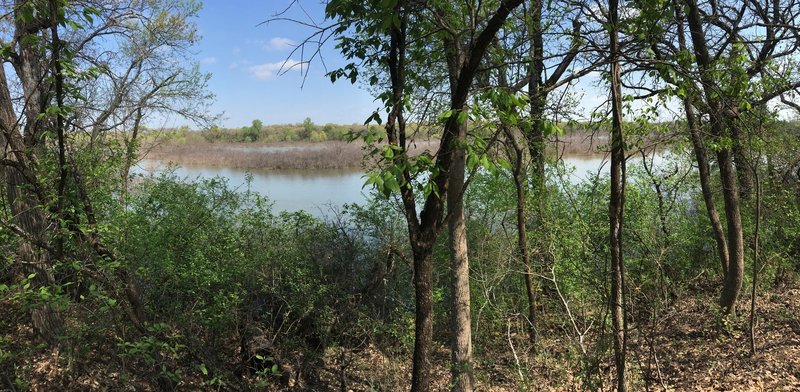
(514, 351)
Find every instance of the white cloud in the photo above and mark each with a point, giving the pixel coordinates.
(269, 71)
(208, 60)
(279, 43)
(238, 64)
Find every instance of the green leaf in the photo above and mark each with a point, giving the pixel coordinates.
(472, 161)
(390, 183)
(388, 152)
(462, 117)
(445, 116)
(374, 117)
(745, 106)
(552, 129)
(5, 51)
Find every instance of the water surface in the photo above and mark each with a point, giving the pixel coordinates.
(316, 191)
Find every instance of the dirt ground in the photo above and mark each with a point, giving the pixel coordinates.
(685, 348)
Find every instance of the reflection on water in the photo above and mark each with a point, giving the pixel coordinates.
(289, 190)
(316, 190)
(581, 168)
(584, 167)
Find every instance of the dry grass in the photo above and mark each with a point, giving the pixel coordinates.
(337, 154)
(581, 142)
(323, 155)
(578, 143)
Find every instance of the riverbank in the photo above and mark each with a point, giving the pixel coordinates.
(331, 154)
(275, 156)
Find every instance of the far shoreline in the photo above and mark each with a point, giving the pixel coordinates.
(321, 155)
(301, 155)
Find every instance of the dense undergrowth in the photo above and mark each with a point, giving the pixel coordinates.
(238, 296)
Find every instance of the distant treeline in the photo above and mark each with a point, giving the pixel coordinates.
(307, 131)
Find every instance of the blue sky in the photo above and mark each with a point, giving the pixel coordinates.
(244, 56)
(244, 59)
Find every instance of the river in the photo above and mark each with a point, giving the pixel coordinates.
(315, 191)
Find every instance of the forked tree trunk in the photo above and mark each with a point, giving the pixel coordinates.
(21, 195)
(732, 285)
(424, 228)
(720, 127)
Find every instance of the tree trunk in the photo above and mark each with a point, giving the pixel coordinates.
(423, 316)
(31, 258)
(24, 198)
(520, 184)
(756, 233)
(719, 114)
(703, 168)
(536, 147)
(424, 229)
(616, 205)
(743, 172)
(461, 323)
(538, 98)
(733, 279)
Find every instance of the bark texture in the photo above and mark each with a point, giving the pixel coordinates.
(461, 321)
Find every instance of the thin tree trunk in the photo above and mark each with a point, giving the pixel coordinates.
(423, 317)
(538, 98)
(517, 141)
(520, 184)
(743, 171)
(536, 146)
(130, 153)
(422, 236)
(616, 205)
(701, 155)
(755, 264)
